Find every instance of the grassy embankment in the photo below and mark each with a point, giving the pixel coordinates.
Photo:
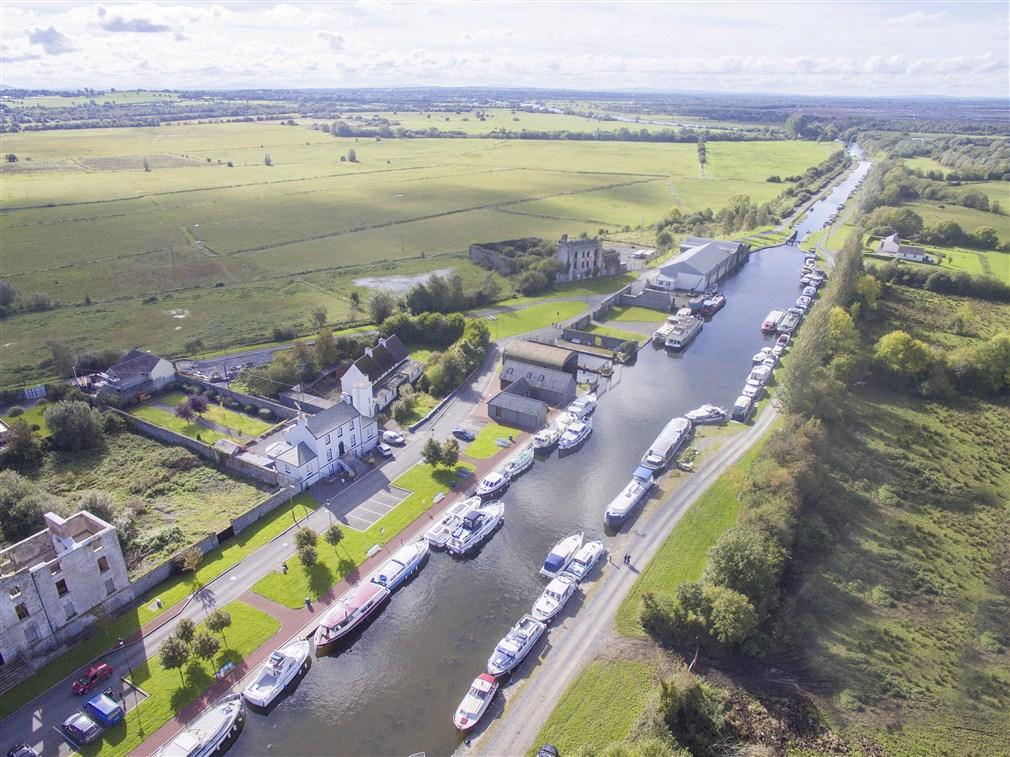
(336, 563)
(170, 592)
(241, 427)
(228, 253)
(169, 692)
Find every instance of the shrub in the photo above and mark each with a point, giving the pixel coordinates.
(15, 411)
(308, 556)
(305, 537)
(265, 413)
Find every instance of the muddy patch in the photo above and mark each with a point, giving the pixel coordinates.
(399, 284)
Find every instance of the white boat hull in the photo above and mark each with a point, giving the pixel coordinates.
(262, 691)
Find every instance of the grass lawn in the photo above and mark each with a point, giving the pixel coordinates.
(336, 563)
(602, 330)
(600, 707)
(247, 425)
(968, 219)
(33, 416)
(634, 314)
(167, 419)
(421, 355)
(170, 592)
(685, 551)
(423, 404)
(167, 694)
(603, 285)
(532, 318)
(158, 410)
(484, 445)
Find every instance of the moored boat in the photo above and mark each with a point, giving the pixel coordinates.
(356, 606)
(439, 533)
(403, 563)
(660, 334)
(493, 484)
(475, 527)
(707, 414)
(630, 498)
(475, 703)
(553, 599)
(781, 344)
(560, 555)
(669, 442)
(760, 355)
(546, 438)
(519, 463)
(583, 406)
(743, 408)
(575, 434)
(684, 331)
(761, 373)
(512, 649)
(276, 673)
(714, 304)
(584, 561)
(771, 321)
(209, 733)
(788, 323)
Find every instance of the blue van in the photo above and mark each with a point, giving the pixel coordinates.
(104, 710)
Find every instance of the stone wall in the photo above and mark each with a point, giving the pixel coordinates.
(594, 340)
(654, 299)
(267, 506)
(170, 437)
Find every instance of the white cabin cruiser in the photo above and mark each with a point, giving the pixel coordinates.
(583, 406)
(475, 527)
(707, 414)
(630, 498)
(404, 563)
(208, 733)
(512, 649)
(476, 702)
(520, 463)
(494, 483)
(575, 434)
(684, 331)
(584, 561)
(546, 437)
(760, 356)
(439, 533)
(560, 555)
(276, 673)
(553, 598)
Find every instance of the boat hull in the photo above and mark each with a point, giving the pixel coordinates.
(349, 634)
(264, 700)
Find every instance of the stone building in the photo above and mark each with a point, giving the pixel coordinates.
(55, 582)
(579, 258)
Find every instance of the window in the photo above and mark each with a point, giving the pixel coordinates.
(61, 587)
(328, 438)
(110, 586)
(55, 568)
(353, 440)
(15, 591)
(97, 546)
(103, 564)
(329, 455)
(497, 411)
(22, 610)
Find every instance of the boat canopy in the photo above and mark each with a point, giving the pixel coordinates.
(554, 563)
(643, 473)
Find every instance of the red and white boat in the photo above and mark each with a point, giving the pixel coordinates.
(349, 612)
(476, 702)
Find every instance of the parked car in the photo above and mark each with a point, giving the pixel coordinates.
(81, 729)
(104, 710)
(809, 291)
(391, 437)
(464, 434)
(385, 450)
(22, 750)
(93, 675)
(547, 750)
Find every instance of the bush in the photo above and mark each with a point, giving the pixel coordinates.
(308, 556)
(249, 409)
(305, 537)
(265, 413)
(15, 411)
(75, 426)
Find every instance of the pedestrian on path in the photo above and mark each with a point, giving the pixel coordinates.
(308, 604)
(627, 558)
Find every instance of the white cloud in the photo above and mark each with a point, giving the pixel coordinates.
(916, 19)
(331, 40)
(52, 41)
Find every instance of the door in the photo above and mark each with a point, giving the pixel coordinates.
(340, 449)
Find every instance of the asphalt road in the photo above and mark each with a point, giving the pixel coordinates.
(38, 721)
(578, 640)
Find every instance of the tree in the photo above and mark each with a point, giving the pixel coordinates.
(842, 333)
(267, 160)
(868, 290)
(381, 307)
(98, 503)
(986, 237)
(190, 559)
(217, 621)
(11, 157)
(431, 452)
(327, 352)
(748, 562)
(308, 555)
(63, 358)
(450, 453)
(732, 618)
(147, 166)
(185, 630)
(174, 653)
(23, 450)
(305, 537)
(7, 294)
(21, 507)
(205, 646)
(319, 316)
(333, 535)
(402, 410)
(193, 346)
(75, 426)
(903, 354)
(199, 403)
(184, 409)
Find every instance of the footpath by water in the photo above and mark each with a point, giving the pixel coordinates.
(395, 690)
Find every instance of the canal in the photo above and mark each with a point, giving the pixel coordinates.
(395, 690)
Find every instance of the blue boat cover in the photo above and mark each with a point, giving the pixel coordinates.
(554, 563)
(643, 473)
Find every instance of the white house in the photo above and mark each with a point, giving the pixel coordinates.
(53, 582)
(313, 445)
(892, 247)
(137, 372)
(373, 381)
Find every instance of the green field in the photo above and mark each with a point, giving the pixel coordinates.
(289, 589)
(600, 707)
(531, 318)
(968, 219)
(485, 445)
(33, 416)
(194, 248)
(616, 333)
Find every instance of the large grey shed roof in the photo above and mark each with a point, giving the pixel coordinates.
(537, 376)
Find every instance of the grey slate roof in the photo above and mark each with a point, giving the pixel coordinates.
(386, 355)
(513, 397)
(298, 455)
(546, 355)
(135, 363)
(323, 423)
(536, 376)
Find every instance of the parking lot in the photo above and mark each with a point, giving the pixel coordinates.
(368, 512)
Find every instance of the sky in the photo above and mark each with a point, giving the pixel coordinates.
(840, 48)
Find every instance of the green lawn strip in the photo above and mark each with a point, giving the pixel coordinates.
(532, 318)
(290, 589)
(169, 420)
(602, 330)
(589, 287)
(685, 551)
(484, 445)
(167, 694)
(170, 592)
(634, 314)
(33, 416)
(600, 706)
(245, 424)
(289, 343)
